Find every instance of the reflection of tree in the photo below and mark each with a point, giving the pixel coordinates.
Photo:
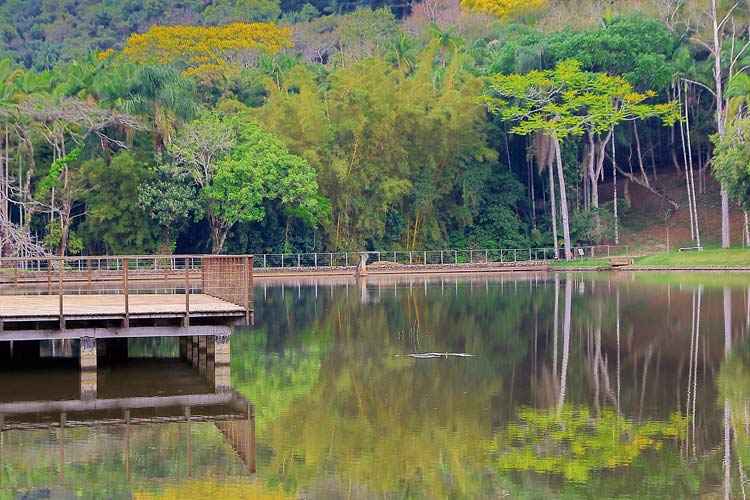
(572, 443)
(273, 381)
(734, 389)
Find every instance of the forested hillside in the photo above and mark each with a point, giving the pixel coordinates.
(264, 126)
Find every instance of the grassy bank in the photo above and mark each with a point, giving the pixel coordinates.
(734, 257)
(582, 263)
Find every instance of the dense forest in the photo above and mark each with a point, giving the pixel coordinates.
(265, 126)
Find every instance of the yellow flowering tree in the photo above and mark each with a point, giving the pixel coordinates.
(501, 8)
(206, 50)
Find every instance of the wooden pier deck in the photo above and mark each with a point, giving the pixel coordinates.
(15, 308)
(88, 294)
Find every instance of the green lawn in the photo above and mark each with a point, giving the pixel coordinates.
(592, 263)
(709, 257)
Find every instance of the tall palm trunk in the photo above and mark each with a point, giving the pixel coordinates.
(553, 207)
(563, 198)
(725, 237)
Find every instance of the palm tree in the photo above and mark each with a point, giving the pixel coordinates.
(403, 51)
(446, 41)
(164, 97)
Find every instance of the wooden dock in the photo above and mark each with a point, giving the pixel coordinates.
(78, 295)
(37, 308)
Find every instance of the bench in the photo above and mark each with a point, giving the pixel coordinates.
(690, 249)
(621, 261)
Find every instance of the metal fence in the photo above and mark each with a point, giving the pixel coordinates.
(431, 257)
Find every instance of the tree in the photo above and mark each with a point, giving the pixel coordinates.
(567, 102)
(206, 50)
(171, 201)
(731, 160)
(501, 8)
(162, 96)
(238, 167)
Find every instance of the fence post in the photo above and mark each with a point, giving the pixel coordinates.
(607, 250)
(346, 259)
(282, 260)
(425, 258)
(126, 321)
(264, 261)
(455, 255)
(471, 256)
(315, 258)
(248, 281)
(187, 291)
(60, 293)
(515, 255)
(410, 261)
(441, 257)
(299, 264)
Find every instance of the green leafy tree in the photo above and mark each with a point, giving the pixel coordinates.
(171, 201)
(238, 167)
(731, 161)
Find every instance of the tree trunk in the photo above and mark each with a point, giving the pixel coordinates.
(219, 232)
(687, 172)
(563, 198)
(614, 188)
(694, 206)
(165, 243)
(725, 238)
(594, 185)
(553, 207)
(640, 153)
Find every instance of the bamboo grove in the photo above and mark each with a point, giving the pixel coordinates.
(265, 127)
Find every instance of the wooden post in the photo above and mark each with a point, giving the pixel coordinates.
(88, 271)
(126, 321)
(127, 445)
(247, 280)
(251, 423)
(15, 274)
(187, 291)
(60, 293)
(49, 276)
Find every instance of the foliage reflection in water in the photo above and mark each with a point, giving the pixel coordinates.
(581, 386)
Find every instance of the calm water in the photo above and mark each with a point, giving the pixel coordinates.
(579, 386)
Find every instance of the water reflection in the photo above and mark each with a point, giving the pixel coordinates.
(581, 386)
(147, 420)
(591, 386)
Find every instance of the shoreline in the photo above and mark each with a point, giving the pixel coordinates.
(476, 269)
(261, 273)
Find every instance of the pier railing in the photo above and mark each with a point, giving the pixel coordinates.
(431, 257)
(225, 277)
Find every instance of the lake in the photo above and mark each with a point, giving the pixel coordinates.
(597, 385)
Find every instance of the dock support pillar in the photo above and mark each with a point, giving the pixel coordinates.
(183, 348)
(5, 353)
(202, 350)
(196, 352)
(88, 368)
(222, 359)
(211, 358)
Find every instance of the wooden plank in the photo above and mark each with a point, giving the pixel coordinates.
(93, 306)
